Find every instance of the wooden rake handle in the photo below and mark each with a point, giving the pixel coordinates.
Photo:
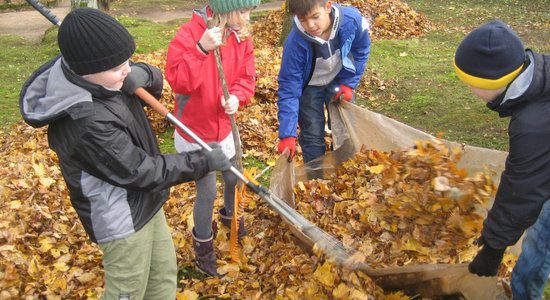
(234, 128)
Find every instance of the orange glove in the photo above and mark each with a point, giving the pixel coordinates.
(344, 92)
(288, 142)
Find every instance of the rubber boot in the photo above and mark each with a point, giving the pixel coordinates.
(205, 257)
(226, 221)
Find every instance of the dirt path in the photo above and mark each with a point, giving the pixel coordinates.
(31, 25)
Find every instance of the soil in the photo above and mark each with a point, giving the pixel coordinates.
(31, 25)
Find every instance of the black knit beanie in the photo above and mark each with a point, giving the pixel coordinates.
(92, 41)
(490, 57)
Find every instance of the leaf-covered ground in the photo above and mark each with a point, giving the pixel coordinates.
(45, 253)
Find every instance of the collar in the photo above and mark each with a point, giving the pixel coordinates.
(94, 89)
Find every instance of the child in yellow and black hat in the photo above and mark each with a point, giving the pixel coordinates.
(514, 82)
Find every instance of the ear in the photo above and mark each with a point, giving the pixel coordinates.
(328, 6)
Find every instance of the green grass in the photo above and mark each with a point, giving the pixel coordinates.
(429, 95)
(19, 59)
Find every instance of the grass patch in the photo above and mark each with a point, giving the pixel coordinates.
(132, 6)
(19, 59)
(428, 94)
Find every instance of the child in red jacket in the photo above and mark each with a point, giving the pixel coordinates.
(192, 72)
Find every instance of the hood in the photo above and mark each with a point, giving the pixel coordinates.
(336, 16)
(529, 85)
(48, 95)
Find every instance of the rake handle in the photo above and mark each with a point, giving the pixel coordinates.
(234, 128)
(45, 12)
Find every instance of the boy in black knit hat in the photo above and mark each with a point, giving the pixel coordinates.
(117, 178)
(514, 82)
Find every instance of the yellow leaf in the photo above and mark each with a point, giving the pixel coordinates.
(86, 278)
(34, 268)
(341, 291)
(15, 205)
(324, 274)
(397, 296)
(45, 244)
(376, 169)
(414, 245)
(61, 266)
(357, 294)
(39, 169)
(187, 295)
(59, 284)
(231, 270)
(46, 182)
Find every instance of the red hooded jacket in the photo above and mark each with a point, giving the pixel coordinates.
(194, 78)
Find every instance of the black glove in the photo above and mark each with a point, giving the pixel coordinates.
(487, 260)
(216, 158)
(138, 77)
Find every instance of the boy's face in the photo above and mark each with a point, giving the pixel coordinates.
(111, 79)
(317, 22)
(486, 95)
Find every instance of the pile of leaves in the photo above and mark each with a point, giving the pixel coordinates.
(389, 19)
(406, 206)
(45, 252)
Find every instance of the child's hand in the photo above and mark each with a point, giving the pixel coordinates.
(216, 159)
(230, 105)
(210, 39)
(288, 142)
(344, 92)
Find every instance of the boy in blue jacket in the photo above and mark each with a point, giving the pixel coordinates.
(513, 81)
(324, 57)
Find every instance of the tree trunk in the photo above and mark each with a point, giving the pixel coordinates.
(287, 24)
(104, 5)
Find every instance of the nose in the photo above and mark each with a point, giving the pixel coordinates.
(127, 68)
(310, 24)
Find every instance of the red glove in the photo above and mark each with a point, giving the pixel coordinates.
(344, 92)
(288, 142)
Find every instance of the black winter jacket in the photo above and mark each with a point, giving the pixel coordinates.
(109, 157)
(525, 183)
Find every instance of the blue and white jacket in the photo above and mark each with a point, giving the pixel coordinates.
(298, 63)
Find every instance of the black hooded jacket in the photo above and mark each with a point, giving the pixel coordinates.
(525, 183)
(117, 177)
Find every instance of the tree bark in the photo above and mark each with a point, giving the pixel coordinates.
(287, 24)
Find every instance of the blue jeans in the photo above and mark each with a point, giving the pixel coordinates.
(530, 273)
(311, 120)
